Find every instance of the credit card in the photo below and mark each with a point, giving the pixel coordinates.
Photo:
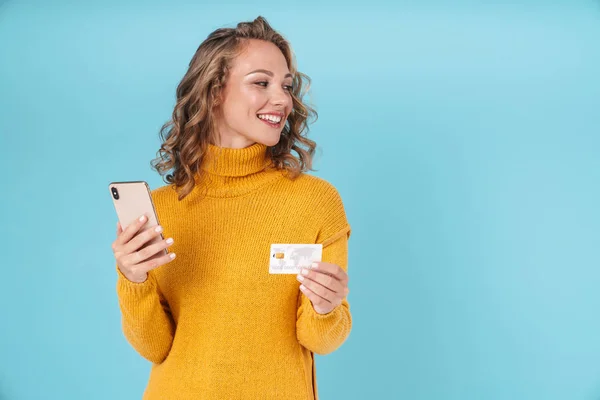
(290, 258)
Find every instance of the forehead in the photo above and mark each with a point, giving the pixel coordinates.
(259, 54)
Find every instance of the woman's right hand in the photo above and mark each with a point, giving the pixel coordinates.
(133, 261)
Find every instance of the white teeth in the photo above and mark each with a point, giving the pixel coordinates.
(270, 118)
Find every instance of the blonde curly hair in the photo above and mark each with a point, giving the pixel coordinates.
(186, 136)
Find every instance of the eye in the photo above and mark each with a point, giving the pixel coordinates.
(289, 88)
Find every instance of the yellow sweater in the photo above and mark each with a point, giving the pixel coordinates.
(214, 322)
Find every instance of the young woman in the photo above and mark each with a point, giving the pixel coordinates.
(213, 321)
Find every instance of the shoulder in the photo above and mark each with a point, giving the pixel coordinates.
(315, 192)
(316, 186)
(164, 196)
(326, 204)
(162, 192)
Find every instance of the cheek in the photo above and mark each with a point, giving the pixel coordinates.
(253, 99)
(255, 102)
(244, 103)
(239, 105)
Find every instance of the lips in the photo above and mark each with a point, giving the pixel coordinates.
(271, 124)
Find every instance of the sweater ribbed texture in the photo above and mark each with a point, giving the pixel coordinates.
(213, 322)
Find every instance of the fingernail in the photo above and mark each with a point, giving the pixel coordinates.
(169, 240)
(315, 265)
(142, 218)
(304, 271)
(158, 229)
(300, 278)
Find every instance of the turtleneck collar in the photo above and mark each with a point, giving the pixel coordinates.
(225, 161)
(229, 172)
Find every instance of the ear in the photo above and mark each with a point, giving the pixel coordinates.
(216, 94)
(216, 99)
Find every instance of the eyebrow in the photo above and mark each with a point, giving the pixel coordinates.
(264, 71)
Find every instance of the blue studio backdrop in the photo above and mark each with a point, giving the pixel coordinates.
(464, 139)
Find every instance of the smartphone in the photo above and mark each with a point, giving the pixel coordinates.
(132, 199)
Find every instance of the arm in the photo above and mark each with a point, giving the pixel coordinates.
(325, 333)
(145, 317)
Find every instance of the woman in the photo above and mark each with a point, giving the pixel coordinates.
(213, 321)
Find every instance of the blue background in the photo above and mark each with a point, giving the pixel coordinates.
(463, 136)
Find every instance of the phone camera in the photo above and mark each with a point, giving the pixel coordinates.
(115, 193)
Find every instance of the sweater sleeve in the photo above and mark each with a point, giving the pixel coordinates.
(324, 333)
(145, 317)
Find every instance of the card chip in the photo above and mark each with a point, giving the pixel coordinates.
(279, 255)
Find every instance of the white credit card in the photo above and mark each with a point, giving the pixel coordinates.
(290, 258)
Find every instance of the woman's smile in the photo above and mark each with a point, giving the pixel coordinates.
(274, 121)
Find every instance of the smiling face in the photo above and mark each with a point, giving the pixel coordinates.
(256, 99)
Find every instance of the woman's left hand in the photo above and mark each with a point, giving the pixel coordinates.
(325, 284)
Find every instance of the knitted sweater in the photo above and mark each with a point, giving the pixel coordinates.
(214, 322)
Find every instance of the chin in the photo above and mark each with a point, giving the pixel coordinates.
(268, 141)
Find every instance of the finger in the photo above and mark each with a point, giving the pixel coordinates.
(323, 279)
(156, 261)
(142, 238)
(115, 244)
(320, 290)
(153, 250)
(130, 231)
(331, 269)
(313, 297)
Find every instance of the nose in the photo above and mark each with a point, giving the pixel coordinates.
(281, 98)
